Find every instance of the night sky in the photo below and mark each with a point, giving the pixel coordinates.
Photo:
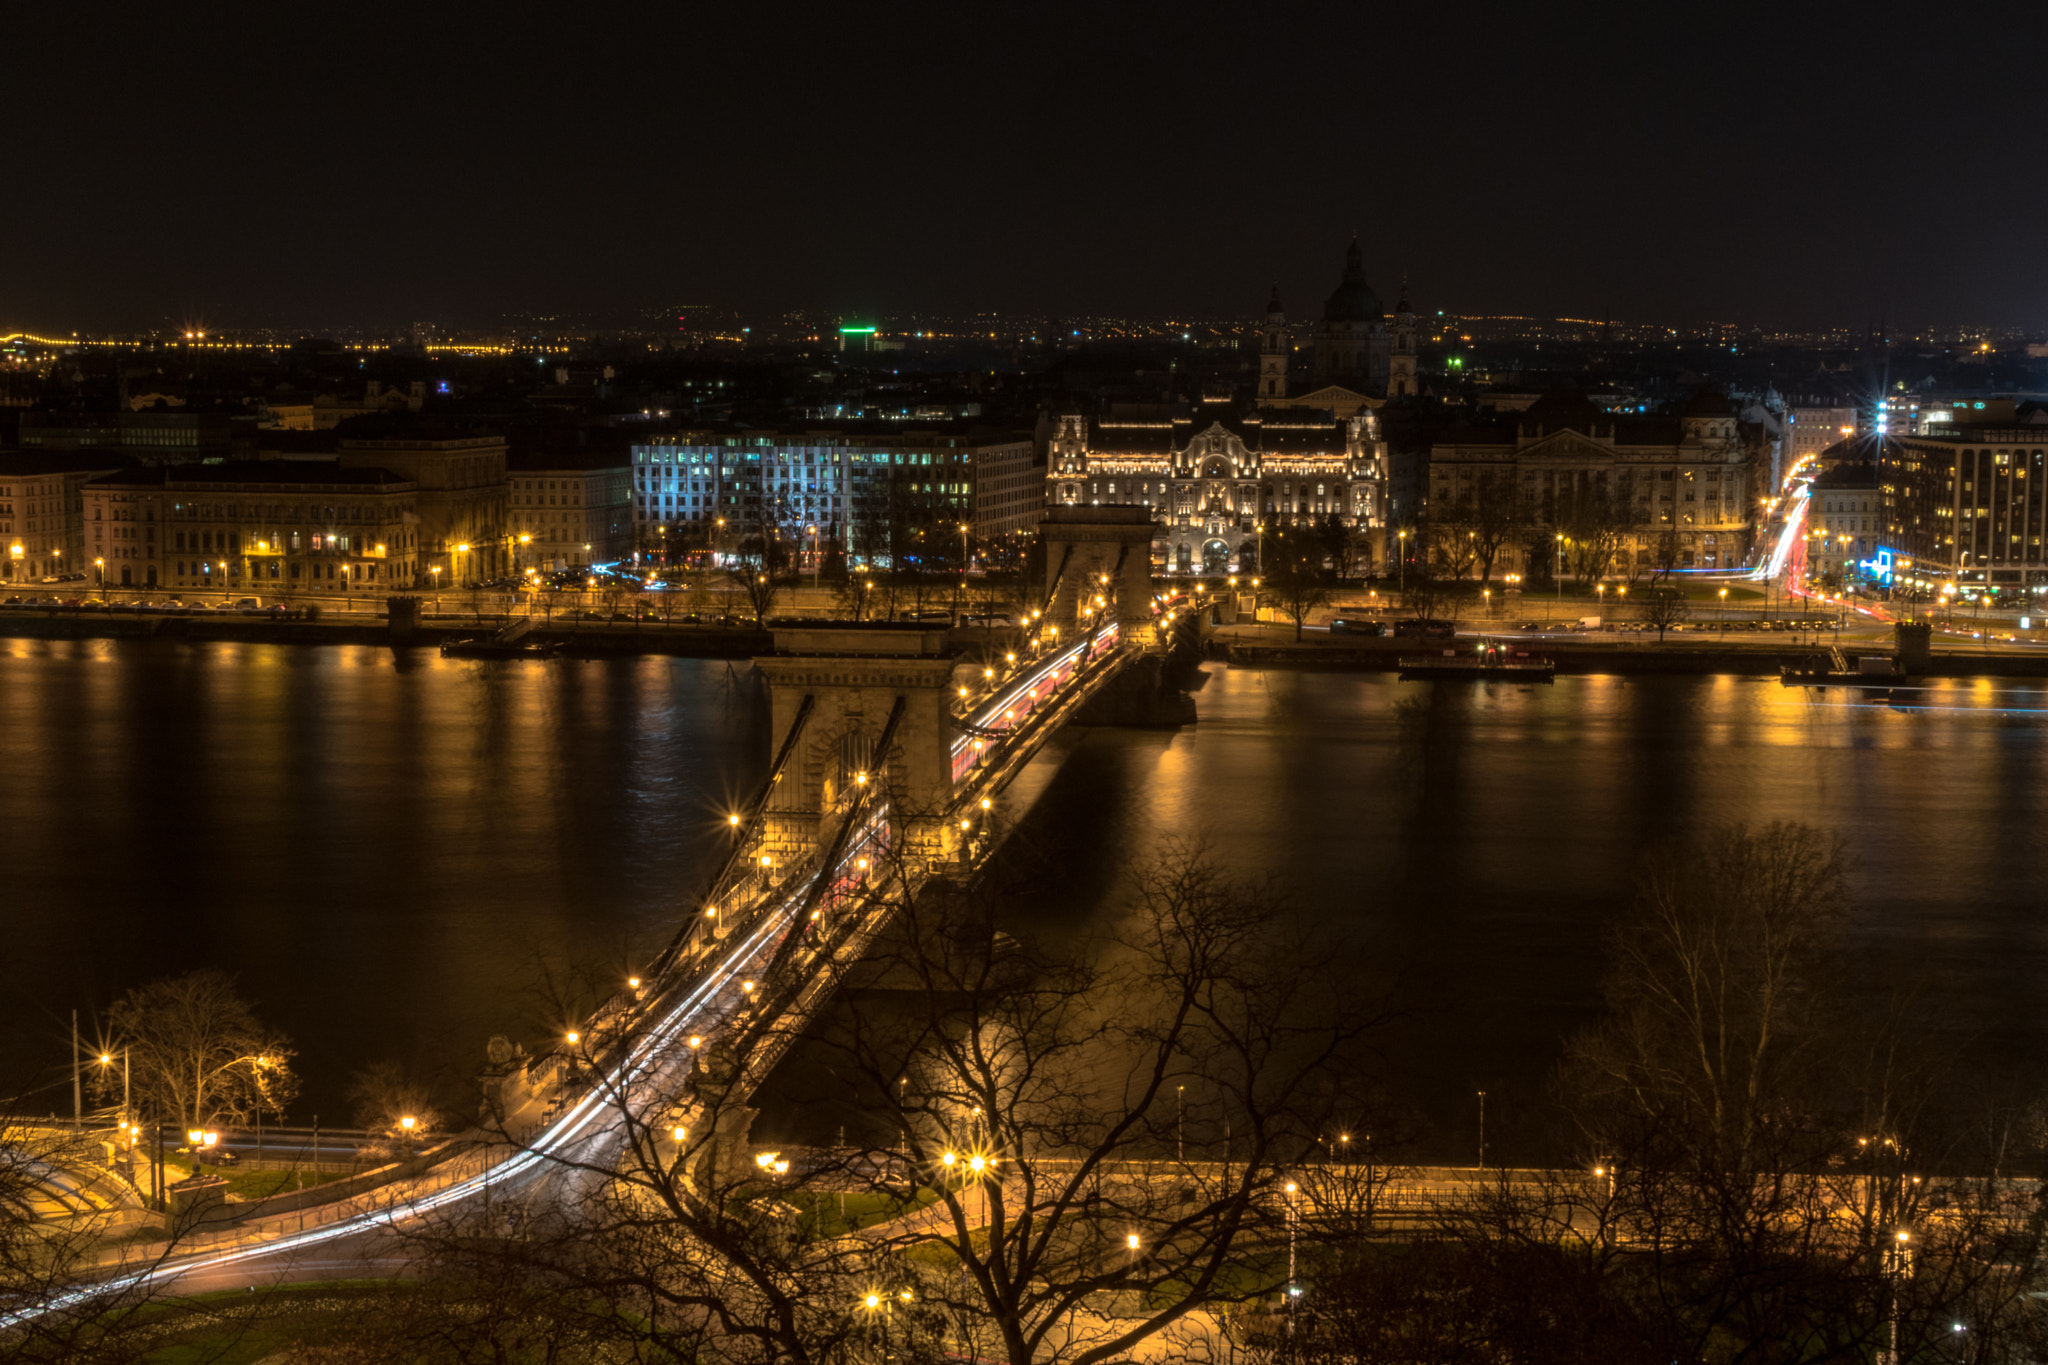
(1789, 164)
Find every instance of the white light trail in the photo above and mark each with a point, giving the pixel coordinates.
(569, 1127)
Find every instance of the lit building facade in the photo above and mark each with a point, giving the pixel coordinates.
(464, 530)
(568, 513)
(42, 529)
(1667, 489)
(1969, 504)
(256, 526)
(1845, 513)
(864, 490)
(1214, 475)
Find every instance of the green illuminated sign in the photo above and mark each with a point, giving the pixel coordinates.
(857, 330)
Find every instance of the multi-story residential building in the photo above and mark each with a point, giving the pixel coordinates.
(258, 526)
(1009, 491)
(42, 511)
(1664, 491)
(1216, 475)
(870, 490)
(463, 530)
(1968, 502)
(1845, 514)
(1815, 429)
(570, 511)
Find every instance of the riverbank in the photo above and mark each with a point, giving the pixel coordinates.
(1248, 646)
(1633, 657)
(589, 638)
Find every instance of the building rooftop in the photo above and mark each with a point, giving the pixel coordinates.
(253, 472)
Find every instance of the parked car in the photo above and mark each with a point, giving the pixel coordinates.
(1347, 625)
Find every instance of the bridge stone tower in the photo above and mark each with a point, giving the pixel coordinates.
(855, 678)
(1082, 544)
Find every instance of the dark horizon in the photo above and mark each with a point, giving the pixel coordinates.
(272, 169)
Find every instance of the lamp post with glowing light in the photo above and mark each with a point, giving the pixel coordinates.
(1293, 1290)
(106, 1060)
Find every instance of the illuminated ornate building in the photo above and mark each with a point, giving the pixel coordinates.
(1216, 474)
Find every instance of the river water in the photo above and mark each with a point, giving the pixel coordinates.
(402, 855)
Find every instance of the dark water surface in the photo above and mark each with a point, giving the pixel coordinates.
(386, 850)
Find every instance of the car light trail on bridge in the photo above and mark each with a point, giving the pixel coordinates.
(652, 1058)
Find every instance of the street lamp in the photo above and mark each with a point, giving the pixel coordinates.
(1293, 1291)
(101, 566)
(107, 1059)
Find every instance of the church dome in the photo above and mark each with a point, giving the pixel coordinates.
(1353, 299)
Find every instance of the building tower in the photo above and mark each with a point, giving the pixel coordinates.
(1273, 352)
(1401, 363)
(1351, 339)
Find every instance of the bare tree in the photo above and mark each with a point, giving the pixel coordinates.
(199, 1055)
(393, 1103)
(1594, 533)
(1492, 517)
(1453, 549)
(1053, 1133)
(1424, 595)
(759, 589)
(1664, 606)
(1743, 1188)
(1294, 580)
